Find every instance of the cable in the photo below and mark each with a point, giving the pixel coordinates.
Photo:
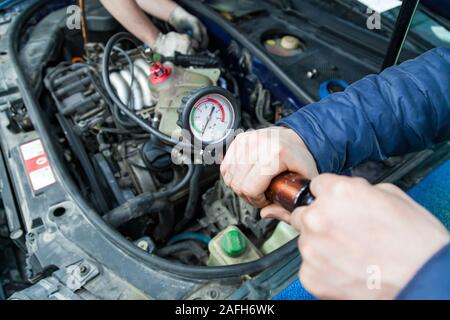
(190, 236)
(144, 203)
(194, 194)
(180, 186)
(105, 73)
(191, 247)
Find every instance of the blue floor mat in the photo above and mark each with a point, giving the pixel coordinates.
(294, 292)
(433, 193)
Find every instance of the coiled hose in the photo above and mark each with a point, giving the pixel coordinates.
(123, 36)
(145, 202)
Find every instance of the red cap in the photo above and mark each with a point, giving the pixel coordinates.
(159, 73)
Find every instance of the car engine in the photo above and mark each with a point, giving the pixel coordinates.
(128, 173)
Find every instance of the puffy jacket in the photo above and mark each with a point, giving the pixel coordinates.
(404, 109)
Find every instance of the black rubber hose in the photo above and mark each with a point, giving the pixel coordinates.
(179, 186)
(188, 246)
(98, 196)
(144, 203)
(196, 61)
(194, 195)
(133, 209)
(123, 108)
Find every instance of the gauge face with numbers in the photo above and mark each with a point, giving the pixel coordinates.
(211, 115)
(211, 118)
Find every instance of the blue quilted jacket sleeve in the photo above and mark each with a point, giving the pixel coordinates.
(404, 109)
(432, 282)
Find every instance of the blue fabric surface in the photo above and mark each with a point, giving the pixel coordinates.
(404, 109)
(433, 193)
(294, 292)
(432, 281)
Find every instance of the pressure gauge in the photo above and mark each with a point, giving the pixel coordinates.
(211, 115)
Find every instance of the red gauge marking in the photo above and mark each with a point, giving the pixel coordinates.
(217, 103)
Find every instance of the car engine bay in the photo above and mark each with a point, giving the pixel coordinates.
(115, 160)
(115, 113)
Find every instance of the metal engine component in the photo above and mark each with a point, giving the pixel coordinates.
(88, 117)
(164, 92)
(122, 166)
(141, 94)
(223, 208)
(134, 173)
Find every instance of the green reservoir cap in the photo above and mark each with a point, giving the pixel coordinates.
(156, 57)
(234, 243)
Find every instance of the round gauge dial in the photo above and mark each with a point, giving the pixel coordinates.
(211, 118)
(211, 115)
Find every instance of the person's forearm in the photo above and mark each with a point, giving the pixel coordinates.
(161, 9)
(133, 18)
(404, 109)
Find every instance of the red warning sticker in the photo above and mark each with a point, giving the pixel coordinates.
(37, 165)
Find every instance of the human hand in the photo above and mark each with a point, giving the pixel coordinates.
(185, 22)
(168, 44)
(255, 158)
(363, 242)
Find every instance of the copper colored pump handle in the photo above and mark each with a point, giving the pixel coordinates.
(290, 190)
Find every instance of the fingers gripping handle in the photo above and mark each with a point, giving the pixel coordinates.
(290, 190)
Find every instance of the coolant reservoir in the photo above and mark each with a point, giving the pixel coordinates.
(172, 85)
(282, 234)
(231, 246)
